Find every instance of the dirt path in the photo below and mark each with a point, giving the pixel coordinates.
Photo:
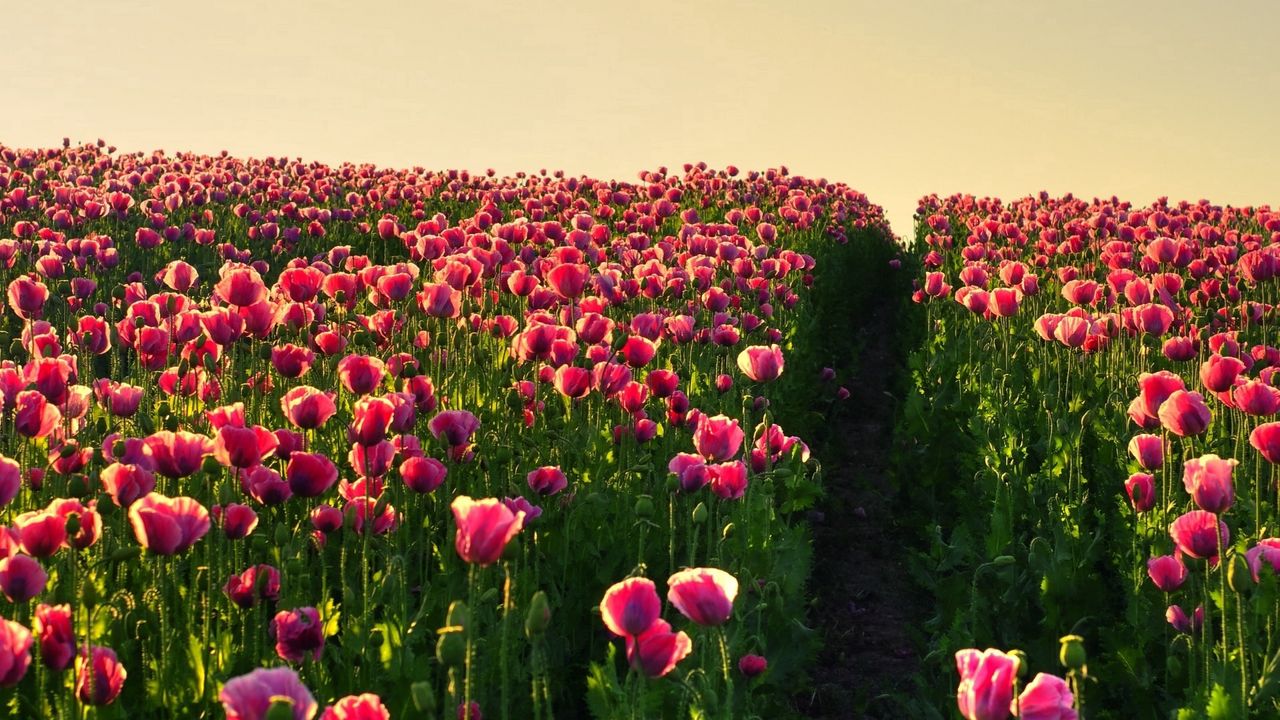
(867, 608)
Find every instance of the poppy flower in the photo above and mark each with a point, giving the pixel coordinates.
(1046, 697)
(361, 374)
(423, 474)
(986, 683)
(455, 427)
(52, 627)
(310, 474)
(484, 528)
(15, 652)
(178, 454)
(166, 526)
(657, 650)
(249, 696)
(1208, 481)
(1167, 572)
(1266, 440)
(307, 408)
(21, 578)
(761, 363)
(298, 633)
(547, 480)
(1200, 534)
(99, 675)
(704, 595)
(718, 438)
(357, 707)
(1184, 414)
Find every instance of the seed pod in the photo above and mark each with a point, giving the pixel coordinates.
(125, 554)
(1072, 653)
(281, 708)
(1024, 668)
(644, 507)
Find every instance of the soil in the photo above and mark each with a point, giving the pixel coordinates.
(867, 609)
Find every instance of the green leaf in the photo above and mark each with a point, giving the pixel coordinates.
(1222, 705)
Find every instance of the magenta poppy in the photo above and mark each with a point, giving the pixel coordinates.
(423, 474)
(704, 595)
(1148, 450)
(1047, 697)
(40, 534)
(1167, 572)
(310, 474)
(455, 427)
(257, 583)
(21, 578)
(1208, 481)
(52, 627)
(249, 697)
(1219, 372)
(361, 374)
(1141, 489)
(630, 607)
(238, 521)
(717, 438)
(99, 675)
(10, 479)
(728, 480)
(1155, 388)
(440, 300)
(307, 408)
(15, 652)
(178, 454)
(569, 279)
(27, 297)
(33, 415)
(657, 650)
(241, 286)
(243, 447)
(484, 528)
(1184, 414)
(126, 483)
(547, 480)
(986, 683)
(357, 707)
(1266, 440)
(166, 526)
(298, 633)
(761, 363)
(1200, 534)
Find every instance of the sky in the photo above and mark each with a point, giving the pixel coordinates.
(896, 98)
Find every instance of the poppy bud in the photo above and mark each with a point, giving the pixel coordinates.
(700, 514)
(1238, 576)
(539, 617)
(424, 698)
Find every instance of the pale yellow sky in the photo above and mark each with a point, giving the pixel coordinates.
(898, 99)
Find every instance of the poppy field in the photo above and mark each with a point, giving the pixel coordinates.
(281, 439)
(1091, 437)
